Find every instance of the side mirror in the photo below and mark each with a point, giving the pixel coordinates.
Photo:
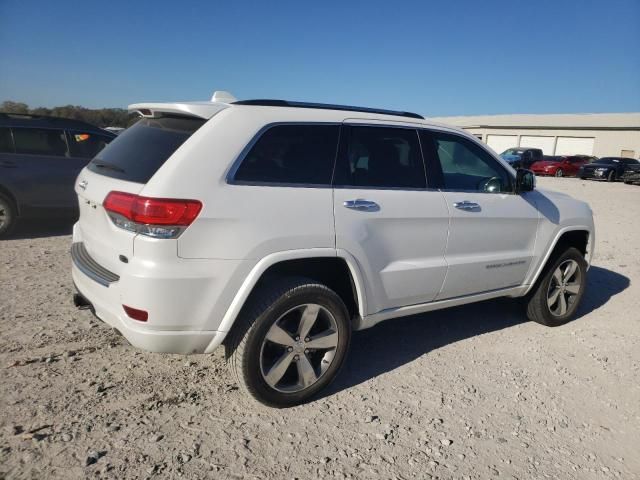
(525, 180)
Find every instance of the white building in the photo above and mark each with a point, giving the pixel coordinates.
(599, 134)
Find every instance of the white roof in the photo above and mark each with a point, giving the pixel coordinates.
(563, 120)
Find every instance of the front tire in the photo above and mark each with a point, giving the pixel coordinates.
(612, 176)
(559, 173)
(557, 295)
(7, 216)
(289, 342)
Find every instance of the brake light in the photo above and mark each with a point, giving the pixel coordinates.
(154, 217)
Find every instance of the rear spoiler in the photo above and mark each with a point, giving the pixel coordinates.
(204, 110)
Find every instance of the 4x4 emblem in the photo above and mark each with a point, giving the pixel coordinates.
(83, 184)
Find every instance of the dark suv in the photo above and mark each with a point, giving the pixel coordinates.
(522, 157)
(40, 158)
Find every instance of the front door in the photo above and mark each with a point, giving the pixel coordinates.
(493, 231)
(386, 217)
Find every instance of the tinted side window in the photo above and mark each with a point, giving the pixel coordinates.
(298, 154)
(40, 141)
(464, 165)
(86, 145)
(6, 142)
(381, 157)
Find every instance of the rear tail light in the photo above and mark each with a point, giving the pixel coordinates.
(154, 217)
(136, 314)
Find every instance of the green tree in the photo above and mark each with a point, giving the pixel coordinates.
(101, 117)
(14, 107)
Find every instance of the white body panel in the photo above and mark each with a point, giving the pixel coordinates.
(492, 247)
(400, 247)
(416, 253)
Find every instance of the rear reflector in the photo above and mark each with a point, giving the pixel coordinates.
(148, 216)
(136, 314)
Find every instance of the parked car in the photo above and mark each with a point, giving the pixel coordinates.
(522, 157)
(632, 174)
(607, 168)
(561, 165)
(40, 158)
(276, 228)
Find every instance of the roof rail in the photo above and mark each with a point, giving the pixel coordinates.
(326, 106)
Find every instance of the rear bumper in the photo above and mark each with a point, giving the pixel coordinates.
(185, 299)
(106, 304)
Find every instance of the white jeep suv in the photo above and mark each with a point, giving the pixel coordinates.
(276, 228)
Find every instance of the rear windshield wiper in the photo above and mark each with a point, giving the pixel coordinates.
(108, 166)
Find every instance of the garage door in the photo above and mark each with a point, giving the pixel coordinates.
(575, 146)
(543, 143)
(501, 142)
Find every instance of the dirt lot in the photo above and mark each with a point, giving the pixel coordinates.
(472, 392)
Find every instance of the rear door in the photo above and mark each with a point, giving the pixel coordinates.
(125, 165)
(493, 231)
(42, 168)
(387, 218)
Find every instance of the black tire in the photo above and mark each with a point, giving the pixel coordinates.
(273, 299)
(559, 173)
(538, 309)
(612, 176)
(8, 216)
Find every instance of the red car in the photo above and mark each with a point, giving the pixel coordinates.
(561, 166)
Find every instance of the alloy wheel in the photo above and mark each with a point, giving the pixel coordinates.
(559, 173)
(564, 287)
(298, 348)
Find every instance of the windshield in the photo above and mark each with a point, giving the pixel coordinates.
(513, 152)
(137, 153)
(608, 160)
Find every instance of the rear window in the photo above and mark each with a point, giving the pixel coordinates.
(137, 153)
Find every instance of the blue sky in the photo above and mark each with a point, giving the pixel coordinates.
(436, 58)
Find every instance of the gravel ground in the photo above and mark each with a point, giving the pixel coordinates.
(470, 392)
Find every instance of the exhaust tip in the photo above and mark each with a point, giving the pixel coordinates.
(81, 302)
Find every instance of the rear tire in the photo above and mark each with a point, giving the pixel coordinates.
(8, 216)
(289, 341)
(557, 295)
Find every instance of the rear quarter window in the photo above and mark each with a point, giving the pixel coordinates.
(138, 153)
(86, 144)
(291, 154)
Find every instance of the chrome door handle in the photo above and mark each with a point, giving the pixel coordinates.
(467, 205)
(362, 205)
